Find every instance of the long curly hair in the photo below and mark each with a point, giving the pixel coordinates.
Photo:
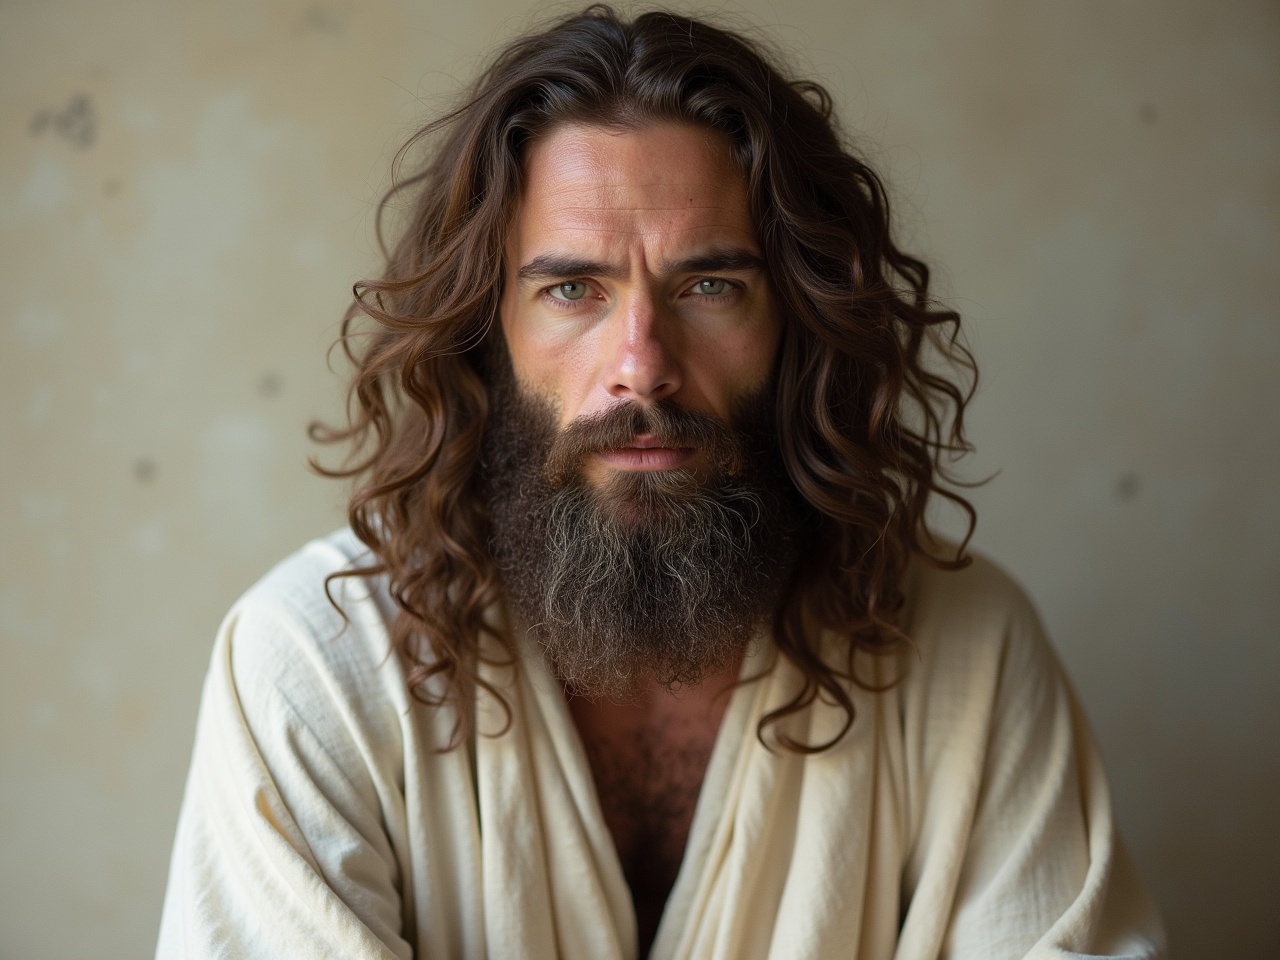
(872, 380)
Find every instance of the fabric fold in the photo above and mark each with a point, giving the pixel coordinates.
(965, 816)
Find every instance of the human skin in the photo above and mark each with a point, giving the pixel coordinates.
(633, 274)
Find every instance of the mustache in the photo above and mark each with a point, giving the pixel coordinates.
(666, 421)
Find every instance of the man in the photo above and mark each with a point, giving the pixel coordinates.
(637, 644)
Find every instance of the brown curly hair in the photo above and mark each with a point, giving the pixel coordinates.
(865, 426)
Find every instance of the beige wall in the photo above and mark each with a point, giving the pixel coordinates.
(184, 200)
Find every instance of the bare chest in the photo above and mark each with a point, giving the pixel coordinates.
(648, 783)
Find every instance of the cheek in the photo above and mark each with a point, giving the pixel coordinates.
(555, 369)
(523, 348)
(754, 357)
(738, 363)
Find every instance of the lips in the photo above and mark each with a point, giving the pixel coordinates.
(646, 452)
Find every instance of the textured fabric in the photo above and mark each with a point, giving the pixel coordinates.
(966, 815)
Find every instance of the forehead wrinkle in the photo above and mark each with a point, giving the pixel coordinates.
(555, 194)
(726, 231)
(585, 201)
(648, 220)
(594, 208)
(649, 231)
(665, 250)
(580, 167)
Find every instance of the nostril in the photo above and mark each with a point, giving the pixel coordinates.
(643, 364)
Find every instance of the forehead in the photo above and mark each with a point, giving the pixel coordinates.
(599, 190)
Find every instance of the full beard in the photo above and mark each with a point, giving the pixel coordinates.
(651, 575)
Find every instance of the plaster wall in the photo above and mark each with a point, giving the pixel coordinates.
(185, 198)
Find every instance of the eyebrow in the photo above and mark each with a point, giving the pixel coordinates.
(735, 258)
(551, 266)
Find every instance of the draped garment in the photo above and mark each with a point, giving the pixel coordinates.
(965, 815)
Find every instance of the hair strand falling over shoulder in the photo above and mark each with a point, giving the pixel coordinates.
(872, 378)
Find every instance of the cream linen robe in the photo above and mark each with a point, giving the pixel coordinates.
(965, 816)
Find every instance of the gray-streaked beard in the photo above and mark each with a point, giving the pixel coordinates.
(658, 574)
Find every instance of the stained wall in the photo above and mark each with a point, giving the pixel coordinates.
(185, 199)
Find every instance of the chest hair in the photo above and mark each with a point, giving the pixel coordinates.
(648, 785)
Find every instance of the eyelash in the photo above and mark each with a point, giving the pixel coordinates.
(734, 287)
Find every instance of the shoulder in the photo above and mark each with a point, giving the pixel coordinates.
(973, 631)
(978, 606)
(303, 582)
(294, 805)
(984, 702)
(306, 632)
(980, 600)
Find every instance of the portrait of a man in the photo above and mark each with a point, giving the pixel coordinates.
(638, 642)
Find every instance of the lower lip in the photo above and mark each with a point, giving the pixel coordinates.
(646, 458)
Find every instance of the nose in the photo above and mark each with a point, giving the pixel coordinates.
(644, 366)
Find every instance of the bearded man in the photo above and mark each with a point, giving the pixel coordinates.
(637, 643)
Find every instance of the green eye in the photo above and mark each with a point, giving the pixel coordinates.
(573, 290)
(712, 286)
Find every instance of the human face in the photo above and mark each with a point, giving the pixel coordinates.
(633, 275)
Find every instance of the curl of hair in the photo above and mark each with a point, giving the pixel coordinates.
(866, 426)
